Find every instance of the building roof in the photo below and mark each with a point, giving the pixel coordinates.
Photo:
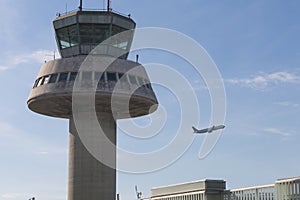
(253, 188)
(297, 178)
(202, 185)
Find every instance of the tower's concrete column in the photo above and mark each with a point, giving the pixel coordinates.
(89, 179)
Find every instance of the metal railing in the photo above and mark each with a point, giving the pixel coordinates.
(91, 9)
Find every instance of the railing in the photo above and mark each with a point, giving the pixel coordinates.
(91, 9)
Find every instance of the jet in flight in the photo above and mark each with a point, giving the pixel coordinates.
(208, 130)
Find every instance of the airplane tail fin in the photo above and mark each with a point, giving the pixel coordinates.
(194, 129)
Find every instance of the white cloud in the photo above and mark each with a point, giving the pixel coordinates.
(252, 133)
(37, 56)
(284, 77)
(263, 80)
(287, 104)
(43, 152)
(7, 130)
(12, 195)
(3, 68)
(277, 132)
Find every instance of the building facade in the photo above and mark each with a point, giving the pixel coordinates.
(264, 192)
(288, 188)
(282, 189)
(198, 190)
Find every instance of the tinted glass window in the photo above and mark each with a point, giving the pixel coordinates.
(73, 76)
(97, 76)
(46, 80)
(53, 78)
(122, 40)
(111, 76)
(93, 33)
(140, 81)
(100, 32)
(63, 77)
(117, 29)
(40, 82)
(67, 36)
(35, 83)
(146, 82)
(120, 75)
(86, 34)
(132, 79)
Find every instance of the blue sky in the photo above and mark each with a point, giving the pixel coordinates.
(255, 45)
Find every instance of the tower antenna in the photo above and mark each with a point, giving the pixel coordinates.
(52, 55)
(138, 194)
(108, 5)
(80, 5)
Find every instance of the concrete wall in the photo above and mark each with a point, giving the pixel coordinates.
(89, 179)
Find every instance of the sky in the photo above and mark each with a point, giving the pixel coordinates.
(254, 44)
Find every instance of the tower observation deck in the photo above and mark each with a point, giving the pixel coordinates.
(78, 34)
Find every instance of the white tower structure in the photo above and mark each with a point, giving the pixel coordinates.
(77, 34)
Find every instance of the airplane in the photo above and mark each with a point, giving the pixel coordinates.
(208, 130)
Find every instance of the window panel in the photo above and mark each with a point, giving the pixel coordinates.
(46, 80)
(100, 32)
(120, 75)
(140, 81)
(132, 79)
(123, 78)
(86, 75)
(93, 33)
(117, 29)
(35, 83)
(122, 40)
(99, 76)
(53, 78)
(41, 81)
(73, 76)
(146, 82)
(63, 77)
(67, 36)
(111, 76)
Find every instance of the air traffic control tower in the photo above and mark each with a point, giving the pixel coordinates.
(78, 33)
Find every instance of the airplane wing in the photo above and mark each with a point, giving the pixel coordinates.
(200, 131)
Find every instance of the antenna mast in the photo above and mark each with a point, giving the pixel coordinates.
(138, 194)
(80, 6)
(108, 5)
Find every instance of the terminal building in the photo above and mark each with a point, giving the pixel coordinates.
(282, 189)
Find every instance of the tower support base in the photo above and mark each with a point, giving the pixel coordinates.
(89, 179)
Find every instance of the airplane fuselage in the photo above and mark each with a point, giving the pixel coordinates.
(208, 130)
